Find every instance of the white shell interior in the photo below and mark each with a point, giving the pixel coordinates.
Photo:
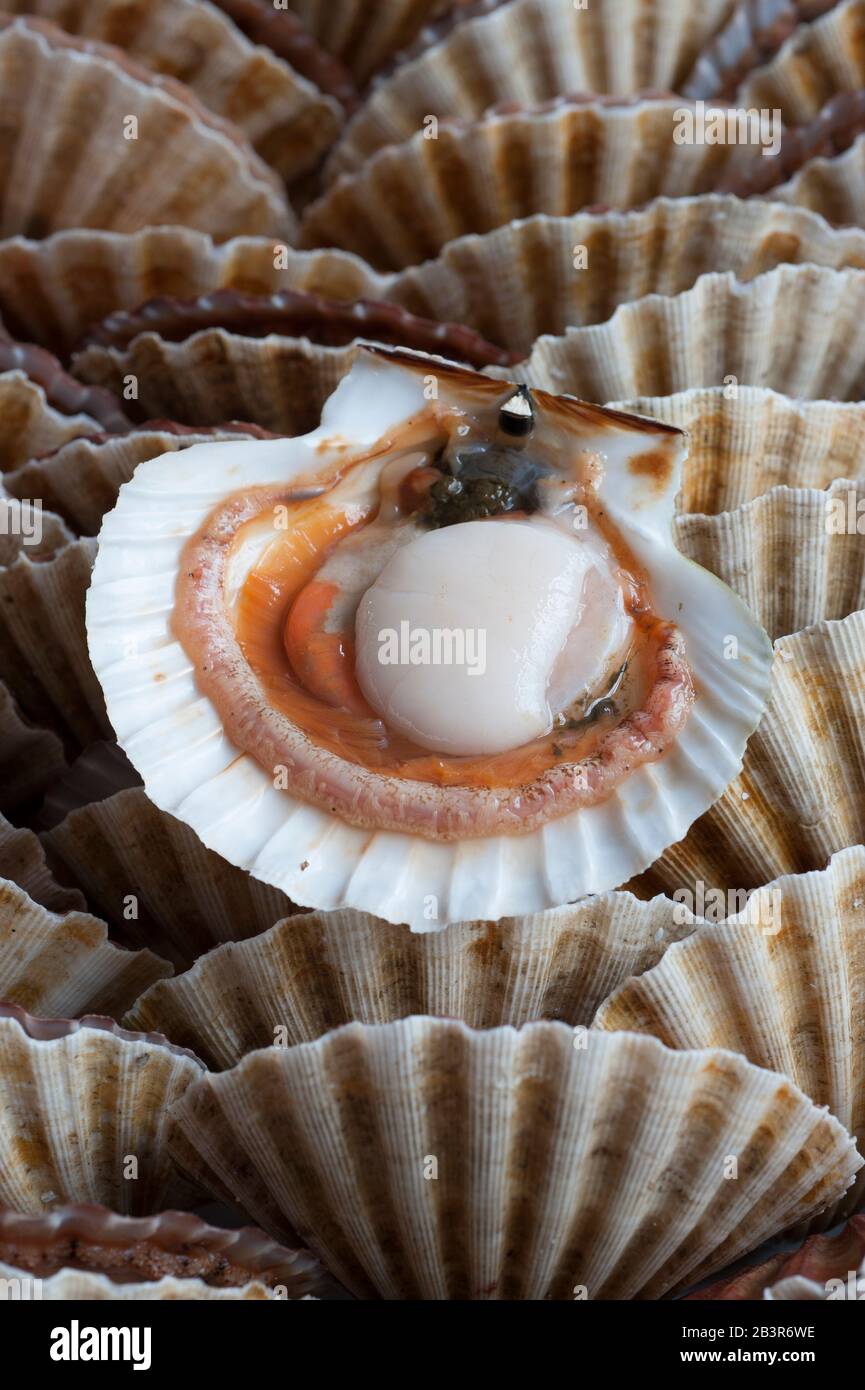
(174, 736)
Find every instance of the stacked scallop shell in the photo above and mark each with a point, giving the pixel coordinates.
(204, 209)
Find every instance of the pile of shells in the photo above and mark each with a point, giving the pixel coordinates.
(206, 209)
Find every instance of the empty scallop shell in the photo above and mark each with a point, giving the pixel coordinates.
(816, 63)
(187, 899)
(285, 118)
(29, 425)
(55, 965)
(90, 1252)
(30, 758)
(53, 290)
(797, 329)
(425, 1160)
(782, 982)
(562, 272)
(66, 112)
(750, 37)
(800, 795)
(742, 444)
(530, 51)
(43, 650)
(84, 1114)
(820, 1259)
(22, 860)
(794, 555)
(408, 200)
(313, 973)
(80, 480)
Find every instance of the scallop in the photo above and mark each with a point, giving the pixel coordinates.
(473, 637)
(437, 660)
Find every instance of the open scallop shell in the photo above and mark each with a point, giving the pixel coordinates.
(43, 649)
(743, 444)
(530, 51)
(186, 899)
(820, 1259)
(782, 982)
(812, 66)
(792, 554)
(314, 858)
(80, 481)
(285, 118)
(313, 973)
(800, 795)
(29, 425)
(751, 36)
(282, 383)
(92, 1252)
(408, 200)
(66, 965)
(797, 329)
(22, 860)
(80, 1101)
(30, 758)
(71, 160)
(425, 1160)
(53, 290)
(561, 272)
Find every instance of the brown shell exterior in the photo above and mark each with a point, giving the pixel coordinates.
(820, 1258)
(62, 392)
(295, 314)
(282, 32)
(174, 1243)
